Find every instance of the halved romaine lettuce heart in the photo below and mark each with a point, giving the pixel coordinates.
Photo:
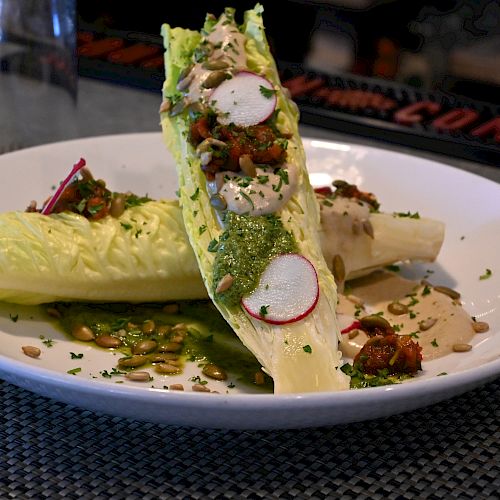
(142, 256)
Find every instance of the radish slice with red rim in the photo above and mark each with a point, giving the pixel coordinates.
(50, 205)
(287, 292)
(246, 99)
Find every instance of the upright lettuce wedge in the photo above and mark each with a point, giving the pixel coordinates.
(301, 356)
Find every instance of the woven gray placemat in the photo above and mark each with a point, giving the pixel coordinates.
(55, 451)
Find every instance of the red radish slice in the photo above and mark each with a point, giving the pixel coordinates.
(288, 291)
(246, 99)
(50, 205)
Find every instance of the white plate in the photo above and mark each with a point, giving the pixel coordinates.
(470, 206)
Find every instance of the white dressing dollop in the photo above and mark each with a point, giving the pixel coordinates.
(264, 194)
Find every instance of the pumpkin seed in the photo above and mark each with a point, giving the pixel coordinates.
(144, 346)
(175, 387)
(368, 228)
(427, 324)
(209, 142)
(461, 347)
(215, 64)
(214, 371)
(179, 107)
(259, 378)
(148, 327)
(53, 312)
(218, 202)
(171, 308)
(138, 376)
(108, 341)
(167, 368)
(214, 79)
(375, 321)
(165, 357)
(225, 283)
(397, 308)
(447, 291)
(31, 351)
(200, 388)
(132, 361)
(170, 347)
(82, 332)
(353, 334)
(117, 206)
(247, 165)
(480, 326)
(338, 268)
(165, 105)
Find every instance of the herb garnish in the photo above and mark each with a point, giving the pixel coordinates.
(307, 348)
(487, 274)
(267, 93)
(76, 356)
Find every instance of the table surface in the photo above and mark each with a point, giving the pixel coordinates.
(52, 450)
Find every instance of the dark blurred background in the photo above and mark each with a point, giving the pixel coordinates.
(417, 73)
(447, 44)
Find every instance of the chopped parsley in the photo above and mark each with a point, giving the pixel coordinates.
(263, 311)
(74, 371)
(76, 356)
(267, 93)
(487, 274)
(126, 226)
(307, 348)
(426, 290)
(414, 215)
(213, 246)
(14, 317)
(434, 343)
(196, 194)
(47, 342)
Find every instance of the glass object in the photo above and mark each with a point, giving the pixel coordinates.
(38, 72)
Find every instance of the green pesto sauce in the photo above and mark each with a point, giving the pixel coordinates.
(245, 248)
(209, 339)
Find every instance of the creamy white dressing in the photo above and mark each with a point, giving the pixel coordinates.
(453, 325)
(229, 47)
(264, 194)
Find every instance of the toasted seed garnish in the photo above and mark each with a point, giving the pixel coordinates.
(165, 357)
(177, 339)
(215, 64)
(368, 228)
(205, 158)
(213, 371)
(117, 206)
(179, 107)
(82, 332)
(461, 347)
(185, 72)
(209, 142)
(144, 346)
(375, 321)
(397, 308)
(356, 227)
(31, 351)
(180, 327)
(259, 378)
(447, 291)
(163, 330)
(167, 368)
(53, 312)
(176, 387)
(170, 347)
(225, 283)
(427, 324)
(214, 79)
(138, 376)
(218, 202)
(200, 388)
(480, 326)
(148, 327)
(355, 300)
(353, 334)
(185, 82)
(247, 165)
(132, 361)
(171, 308)
(108, 341)
(165, 105)
(338, 268)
